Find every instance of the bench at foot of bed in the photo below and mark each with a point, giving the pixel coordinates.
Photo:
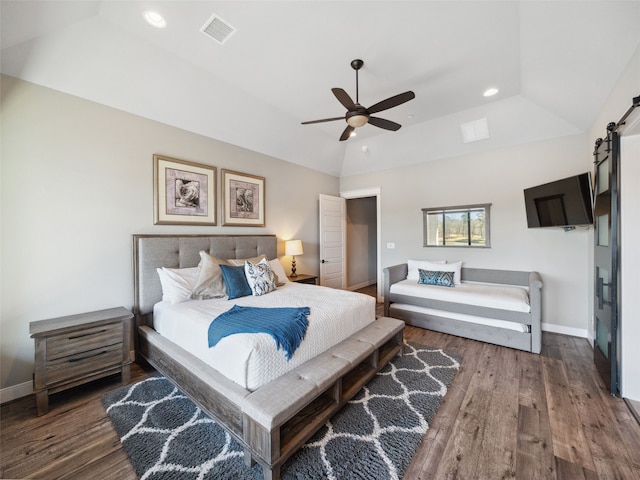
(281, 416)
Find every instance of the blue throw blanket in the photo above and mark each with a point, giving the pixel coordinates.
(287, 326)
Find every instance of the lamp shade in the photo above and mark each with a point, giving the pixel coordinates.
(293, 247)
(357, 120)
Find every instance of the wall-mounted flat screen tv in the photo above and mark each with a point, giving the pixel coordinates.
(563, 203)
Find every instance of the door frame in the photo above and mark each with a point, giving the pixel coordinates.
(365, 193)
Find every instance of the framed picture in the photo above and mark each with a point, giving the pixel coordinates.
(242, 199)
(184, 192)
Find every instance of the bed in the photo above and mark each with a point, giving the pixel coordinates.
(271, 414)
(503, 307)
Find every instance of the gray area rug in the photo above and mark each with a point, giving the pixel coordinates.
(375, 436)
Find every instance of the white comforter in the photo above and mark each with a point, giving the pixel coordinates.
(251, 360)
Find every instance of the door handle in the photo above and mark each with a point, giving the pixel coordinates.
(324, 261)
(600, 293)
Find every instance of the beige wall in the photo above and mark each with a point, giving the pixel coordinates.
(361, 242)
(77, 182)
(497, 177)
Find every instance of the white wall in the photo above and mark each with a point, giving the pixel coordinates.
(77, 182)
(497, 177)
(630, 271)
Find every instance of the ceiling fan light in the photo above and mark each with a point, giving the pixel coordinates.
(356, 121)
(154, 19)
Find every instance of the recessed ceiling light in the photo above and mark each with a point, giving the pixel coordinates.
(490, 92)
(154, 19)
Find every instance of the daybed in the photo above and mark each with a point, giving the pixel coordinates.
(273, 420)
(502, 307)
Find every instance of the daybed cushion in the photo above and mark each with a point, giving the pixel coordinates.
(503, 297)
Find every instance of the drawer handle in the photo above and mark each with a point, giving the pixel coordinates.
(71, 360)
(87, 334)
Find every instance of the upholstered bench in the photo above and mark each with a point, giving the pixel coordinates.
(283, 414)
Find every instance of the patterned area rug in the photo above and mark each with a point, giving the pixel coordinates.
(375, 436)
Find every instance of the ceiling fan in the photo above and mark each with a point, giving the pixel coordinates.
(357, 115)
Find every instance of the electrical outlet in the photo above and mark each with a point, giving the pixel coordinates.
(391, 245)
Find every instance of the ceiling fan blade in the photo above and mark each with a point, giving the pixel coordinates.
(386, 124)
(323, 120)
(392, 102)
(347, 133)
(344, 98)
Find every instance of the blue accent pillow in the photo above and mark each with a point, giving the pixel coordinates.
(442, 279)
(236, 281)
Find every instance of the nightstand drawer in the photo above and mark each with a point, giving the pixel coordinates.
(67, 344)
(82, 363)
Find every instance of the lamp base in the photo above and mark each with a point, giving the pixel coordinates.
(293, 267)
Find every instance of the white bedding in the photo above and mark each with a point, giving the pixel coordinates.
(491, 322)
(503, 297)
(251, 360)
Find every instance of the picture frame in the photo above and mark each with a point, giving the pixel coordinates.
(243, 199)
(184, 192)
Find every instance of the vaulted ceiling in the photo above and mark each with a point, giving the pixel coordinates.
(554, 64)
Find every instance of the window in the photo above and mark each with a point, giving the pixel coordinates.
(464, 226)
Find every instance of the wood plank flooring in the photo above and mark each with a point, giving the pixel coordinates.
(508, 414)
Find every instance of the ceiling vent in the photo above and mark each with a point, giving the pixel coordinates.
(474, 131)
(218, 29)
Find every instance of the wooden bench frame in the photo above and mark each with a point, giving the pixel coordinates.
(274, 421)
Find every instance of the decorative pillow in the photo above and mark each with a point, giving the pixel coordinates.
(241, 261)
(260, 277)
(177, 283)
(235, 281)
(210, 283)
(278, 271)
(414, 265)
(442, 279)
(447, 267)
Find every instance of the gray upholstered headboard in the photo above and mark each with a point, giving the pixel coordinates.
(182, 251)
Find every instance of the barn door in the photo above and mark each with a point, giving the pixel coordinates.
(606, 259)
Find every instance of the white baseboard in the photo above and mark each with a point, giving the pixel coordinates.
(574, 332)
(358, 286)
(16, 391)
(23, 389)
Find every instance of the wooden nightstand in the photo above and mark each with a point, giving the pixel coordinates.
(303, 278)
(77, 349)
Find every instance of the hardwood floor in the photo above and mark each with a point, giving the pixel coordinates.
(508, 414)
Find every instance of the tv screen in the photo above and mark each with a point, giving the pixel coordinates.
(563, 203)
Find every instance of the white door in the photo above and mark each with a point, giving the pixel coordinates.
(332, 241)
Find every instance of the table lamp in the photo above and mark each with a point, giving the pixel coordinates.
(293, 248)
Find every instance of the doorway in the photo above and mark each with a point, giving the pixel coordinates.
(363, 239)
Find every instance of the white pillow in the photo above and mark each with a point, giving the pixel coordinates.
(414, 265)
(260, 277)
(447, 267)
(278, 271)
(177, 283)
